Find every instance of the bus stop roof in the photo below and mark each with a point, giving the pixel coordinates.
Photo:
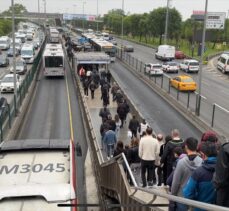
(91, 58)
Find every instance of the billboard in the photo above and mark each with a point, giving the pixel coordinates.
(215, 20)
(67, 16)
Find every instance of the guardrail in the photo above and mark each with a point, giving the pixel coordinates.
(188, 100)
(13, 107)
(112, 179)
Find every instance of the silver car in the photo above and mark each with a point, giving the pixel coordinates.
(21, 67)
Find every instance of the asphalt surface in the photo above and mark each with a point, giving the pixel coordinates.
(49, 117)
(161, 116)
(215, 86)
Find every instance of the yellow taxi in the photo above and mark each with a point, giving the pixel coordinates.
(183, 83)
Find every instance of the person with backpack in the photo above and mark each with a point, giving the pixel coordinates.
(221, 179)
(104, 113)
(200, 185)
(184, 170)
(168, 151)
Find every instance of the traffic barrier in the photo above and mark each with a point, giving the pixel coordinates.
(8, 126)
(187, 104)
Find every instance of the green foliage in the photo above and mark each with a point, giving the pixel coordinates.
(5, 27)
(18, 9)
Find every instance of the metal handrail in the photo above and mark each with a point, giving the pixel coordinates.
(189, 202)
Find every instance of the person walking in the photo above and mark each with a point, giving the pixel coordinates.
(134, 160)
(143, 127)
(127, 109)
(134, 126)
(200, 185)
(121, 111)
(119, 148)
(108, 75)
(157, 163)
(104, 113)
(221, 180)
(111, 123)
(118, 125)
(114, 90)
(85, 86)
(109, 141)
(92, 87)
(168, 152)
(184, 169)
(148, 152)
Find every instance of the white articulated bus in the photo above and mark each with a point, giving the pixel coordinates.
(53, 60)
(37, 175)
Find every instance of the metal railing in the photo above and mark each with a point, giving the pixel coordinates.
(212, 114)
(112, 176)
(13, 107)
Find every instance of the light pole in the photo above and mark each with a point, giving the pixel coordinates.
(83, 14)
(166, 23)
(39, 21)
(14, 58)
(74, 15)
(201, 58)
(122, 19)
(45, 10)
(97, 24)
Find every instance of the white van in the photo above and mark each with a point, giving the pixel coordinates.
(28, 53)
(22, 37)
(165, 52)
(223, 63)
(4, 42)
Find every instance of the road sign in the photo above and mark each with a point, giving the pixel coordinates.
(215, 20)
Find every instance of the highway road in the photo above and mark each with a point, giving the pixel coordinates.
(49, 117)
(215, 85)
(161, 116)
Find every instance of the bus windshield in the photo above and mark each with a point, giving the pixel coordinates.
(51, 61)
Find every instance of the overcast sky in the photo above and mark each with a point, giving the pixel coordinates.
(185, 7)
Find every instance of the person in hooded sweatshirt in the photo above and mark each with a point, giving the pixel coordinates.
(184, 169)
(200, 185)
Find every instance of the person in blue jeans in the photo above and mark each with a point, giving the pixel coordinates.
(200, 185)
(109, 141)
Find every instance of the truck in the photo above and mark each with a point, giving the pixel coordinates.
(165, 52)
(37, 174)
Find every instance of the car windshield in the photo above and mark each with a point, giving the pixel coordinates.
(27, 52)
(157, 66)
(8, 79)
(172, 64)
(19, 63)
(187, 80)
(194, 63)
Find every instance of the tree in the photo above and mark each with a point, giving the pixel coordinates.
(18, 10)
(157, 22)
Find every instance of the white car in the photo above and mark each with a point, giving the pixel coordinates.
(7, 83)
(170, 67)
(190, 65)
(153, 69)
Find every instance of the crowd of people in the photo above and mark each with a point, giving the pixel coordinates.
(197, 170)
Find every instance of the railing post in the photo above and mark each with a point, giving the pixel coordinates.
(8, 105)
(15, 105)
(213, 115)
(188, 99)
(133, 61)
(1, 128)
(162, 80)
(141, 66)
(198, 103)
(178, 92)
(137, 64)
(129, 58)
(169, 86)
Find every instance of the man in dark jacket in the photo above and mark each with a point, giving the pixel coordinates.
(168, 151)
(104, 113)
(111, 122)
(221, 179)
(134, 126)
(92, 87)
(200, 186)
(121, 111)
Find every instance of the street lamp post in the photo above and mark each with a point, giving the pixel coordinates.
(45, 10)
(74, 11)
(166, 23)
(201, 58)
(14, 58)
(97, 24)
(83, 15)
